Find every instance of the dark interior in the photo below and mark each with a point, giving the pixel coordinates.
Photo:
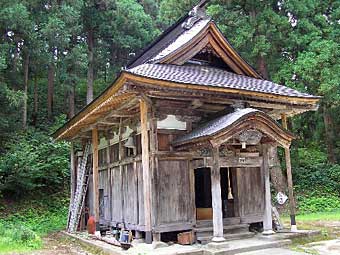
(203, 190)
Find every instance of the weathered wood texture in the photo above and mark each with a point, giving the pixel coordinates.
(104, 201)
(289, 176)
(147, 185)
(73, 169)
(216, 195)
(117, 201)
(250, 194)
(95, 173)
(173, 194)
(129, 195)
(267, 219)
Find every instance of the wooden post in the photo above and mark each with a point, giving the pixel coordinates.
(73, 170)
(216, 197)
(267, 219)
(289, 179)
(146, 169)
(192, 190)
(108, 161)
(95, 175)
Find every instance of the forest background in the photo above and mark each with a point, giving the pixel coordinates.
(57, 55)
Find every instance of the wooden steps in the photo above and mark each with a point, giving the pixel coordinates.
(232, 230)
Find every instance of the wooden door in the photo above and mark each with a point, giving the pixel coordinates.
(250, 189)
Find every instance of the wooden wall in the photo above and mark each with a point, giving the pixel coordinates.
(250, 189)
(127, 195)
(172, 196)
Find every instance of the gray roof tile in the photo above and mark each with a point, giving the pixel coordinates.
(209, 76)
(214, 126)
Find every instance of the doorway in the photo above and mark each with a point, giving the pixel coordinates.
(203, 193)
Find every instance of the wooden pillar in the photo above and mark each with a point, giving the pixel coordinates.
(289, 179)
(267, 219)
(216, 197)
(192, 191)
(108, 161)
(95, 175)
(73, 170)
(146, 169)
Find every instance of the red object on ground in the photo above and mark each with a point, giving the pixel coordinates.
(91, 225)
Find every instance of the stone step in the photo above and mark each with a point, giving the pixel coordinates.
(226, 221)
(228, 237)
(233, 229)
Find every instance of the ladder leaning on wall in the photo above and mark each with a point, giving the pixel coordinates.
(77, 203)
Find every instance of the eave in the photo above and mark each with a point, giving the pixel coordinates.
(113, 96)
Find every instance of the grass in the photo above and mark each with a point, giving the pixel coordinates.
(327, 222)
(23, 224)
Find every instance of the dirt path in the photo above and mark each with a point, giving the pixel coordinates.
(56, 244)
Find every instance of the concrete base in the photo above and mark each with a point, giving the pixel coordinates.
(268, 232)
(218, 245)
(293, 228)
(217, 239)
(231, 247)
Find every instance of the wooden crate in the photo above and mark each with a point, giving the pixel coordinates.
(185, 238)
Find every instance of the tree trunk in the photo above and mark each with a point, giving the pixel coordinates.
(90, 70)
(50, 90)
(329, 135)
(277, 177)
(71, 96)
(35, 111)
(26, 66)
(262, 67)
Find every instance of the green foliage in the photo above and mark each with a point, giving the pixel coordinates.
(33, 162)
(24, 223)
(315, 203)
(313, 175)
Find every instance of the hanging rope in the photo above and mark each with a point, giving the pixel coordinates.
(230, 194)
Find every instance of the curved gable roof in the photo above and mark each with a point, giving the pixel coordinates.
(228, 125)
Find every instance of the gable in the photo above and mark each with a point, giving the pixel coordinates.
(208, 39)
(189, 37)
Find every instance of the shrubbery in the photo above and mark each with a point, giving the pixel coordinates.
(31, 220)
(33, 162)
(317, 183)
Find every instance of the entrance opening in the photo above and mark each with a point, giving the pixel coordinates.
(203, 193)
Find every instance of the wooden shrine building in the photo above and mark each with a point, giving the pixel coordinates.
(181, 138)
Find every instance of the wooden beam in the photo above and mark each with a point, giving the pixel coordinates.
(216, 197)
(289, 179)
(146, 169)
(267, 219)
(95, 176)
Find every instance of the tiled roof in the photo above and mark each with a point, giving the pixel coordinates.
(214, 126)
(171, 39)
(209, 76)
(181, 40)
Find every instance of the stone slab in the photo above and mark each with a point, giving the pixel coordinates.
(329, 247)
(276, 251)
